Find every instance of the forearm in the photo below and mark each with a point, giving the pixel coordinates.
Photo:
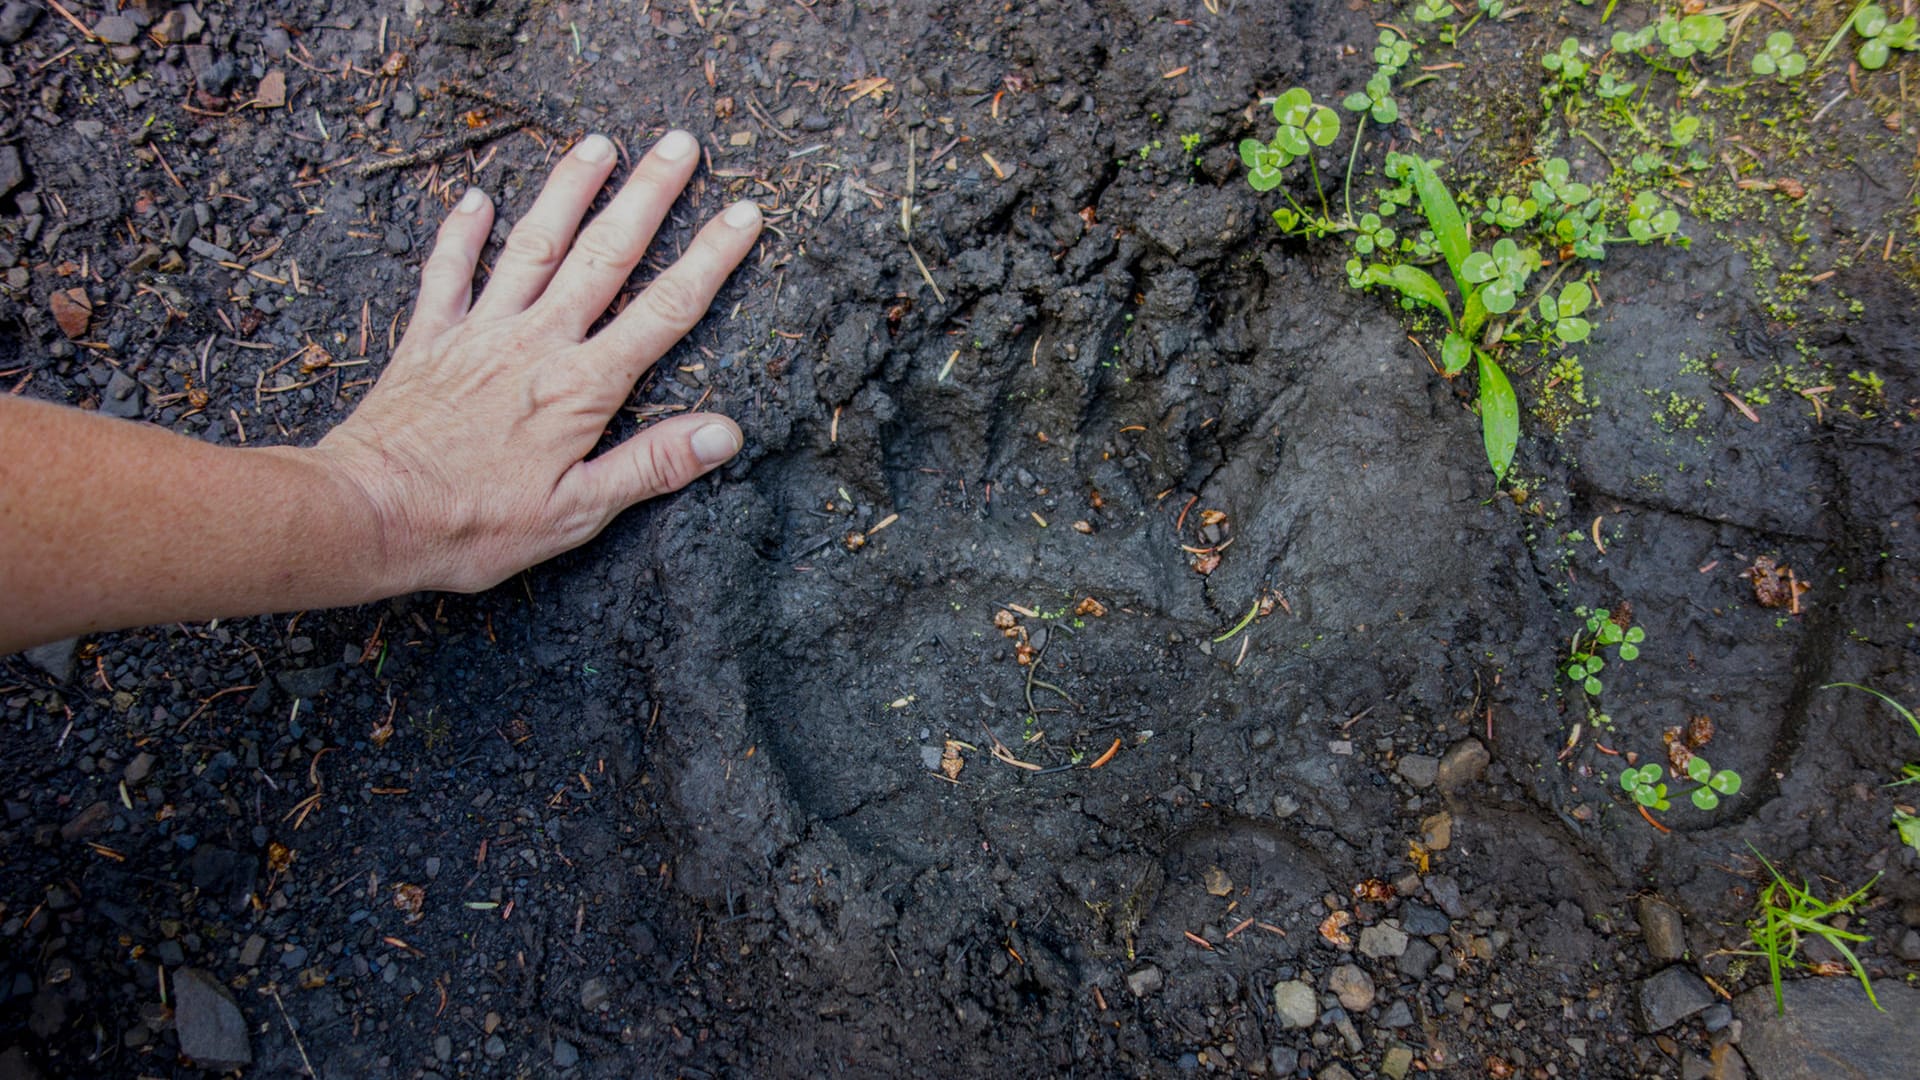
(107, 524)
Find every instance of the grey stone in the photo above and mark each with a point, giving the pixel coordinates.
(1417, 962)
(495, 1047)
(565, 1054)
(275, 42)
(1335, 1072)
(251, 951)
(1909, 946)
(294, 957)
(1396, 1063)
(212, 1031)
(139, 768)
(1665, 934)
(308, 682)
(13, 172)
(124, 397)
(1420, 770)
(1398, 1015)
(1283, 1060)
(1295, 1004)
(1146, 980)
(1670, 997)
(1382, 940)
(1830, 1031)
(16, 1065)
(594, 995)
(116, 30)
(443, 1047)
(1446, 892)
(1421, 920)
(1463, 763)
(1352, 986)
(405, 104)
(16, 19)
(54, 658)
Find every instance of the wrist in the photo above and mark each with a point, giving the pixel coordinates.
(368, 532)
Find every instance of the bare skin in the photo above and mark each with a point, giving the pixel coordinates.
(465, 464)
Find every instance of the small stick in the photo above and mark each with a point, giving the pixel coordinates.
(442, 147)
(1650, 820)
(291, 1030)
(1108, 756)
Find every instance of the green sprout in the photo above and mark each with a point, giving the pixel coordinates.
(1648, 219)
(1392, 53)
(1904, 822)
(1376, 99)
(1712, 784)
(1787, 911)
(1587, 660)
(1563, 315)
(1883, 35)
(1567, 62)
(1684, 37)
(1682, 130)
(1373, 234)
(1644, 785)
(1781, 58)
(1190, 143)
(1303, 125)
(1432, 11)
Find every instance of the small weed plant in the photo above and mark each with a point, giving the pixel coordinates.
(1789, 912)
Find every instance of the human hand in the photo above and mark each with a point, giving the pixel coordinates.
(470, 450)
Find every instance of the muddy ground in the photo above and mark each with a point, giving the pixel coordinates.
(685, 802)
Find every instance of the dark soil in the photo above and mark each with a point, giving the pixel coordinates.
(674, 800)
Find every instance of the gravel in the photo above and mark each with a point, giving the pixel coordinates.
(1384, 940)
(1464, 762)
(1665, 934)
(1670, 997)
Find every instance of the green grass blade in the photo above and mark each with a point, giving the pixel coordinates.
(1417, 284)
(1905, 713)
(1449, 227)
(1499, 416)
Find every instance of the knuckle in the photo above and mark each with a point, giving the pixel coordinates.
(657, 470)
(676, 301)
(537, 246)
(601, 246)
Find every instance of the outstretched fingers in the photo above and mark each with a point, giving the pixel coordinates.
(676, 300)
(665, 457)
(446, 280)
(539, 242)
(612, 244)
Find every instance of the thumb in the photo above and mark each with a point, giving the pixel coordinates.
(666, 457)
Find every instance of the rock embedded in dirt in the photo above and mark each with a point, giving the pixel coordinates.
(1670, 997)
(212, 1031)
(1383, 940)
(1397, 1062)
(1661, 925)
(13, 172)
(594, 995)
(139, 768)
(124, 397)
(1420, 770)
(72, 310)
(1463, 763)
(1352, 986)
(565, 1054)
(1145, 981)
(116, 30)
(55, 658)
(1418, 959)
(1295, 1004)
(1830, 1031)
(16, 19)
(1436, 831)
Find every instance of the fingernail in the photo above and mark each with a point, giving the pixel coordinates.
(677, 146)
(595, 148)
(714, 444)
(742, 214)
(471, 202)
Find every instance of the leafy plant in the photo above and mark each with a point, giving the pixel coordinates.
(1644, 785)
(1376, 99)
(1883, 35)
(1487, 283)
(1566, 62)
(1562, 316)
(1780, 58)
(1649, 219)
(1713, 784)
(1432, 11)
(1303, 125)
(1788, 911)
(1588, 658)
(1685, 36)
(1392, 52)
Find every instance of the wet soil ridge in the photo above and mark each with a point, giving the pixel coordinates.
(759, 784)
